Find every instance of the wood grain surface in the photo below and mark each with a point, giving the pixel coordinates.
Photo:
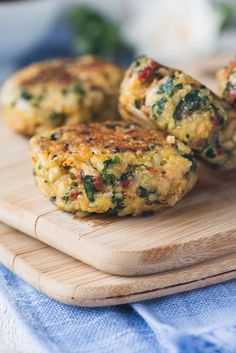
(200, 227)
(73, 282)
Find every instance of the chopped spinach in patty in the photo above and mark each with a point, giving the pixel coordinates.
(24, 94)
(57, 118)
(192, 102)
(118, 202)
(137, 103)
(193, 166)
(126, 175)
(109, 162)
(108, 178)
(169, 87)
(158, 107)
(66, 198)
(89, 187)
(143, 192)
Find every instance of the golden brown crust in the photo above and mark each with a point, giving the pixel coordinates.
(107, 137)
(62, 91)
(63, 71)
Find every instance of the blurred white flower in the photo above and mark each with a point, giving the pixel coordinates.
(172, 30)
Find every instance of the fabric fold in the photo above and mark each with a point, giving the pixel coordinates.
(199, 321)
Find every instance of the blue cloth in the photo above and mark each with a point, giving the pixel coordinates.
(200, 321)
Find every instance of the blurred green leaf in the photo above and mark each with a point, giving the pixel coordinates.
(226, 13)
(95, 33)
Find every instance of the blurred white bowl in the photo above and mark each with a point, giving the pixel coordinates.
(23, 24)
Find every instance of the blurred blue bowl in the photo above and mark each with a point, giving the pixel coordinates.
(22, 25)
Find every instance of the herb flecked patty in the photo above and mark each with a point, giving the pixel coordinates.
(113, 168)
(53, 93)
(155, 95)
(226, 79)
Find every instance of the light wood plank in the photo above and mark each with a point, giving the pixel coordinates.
(73, 282)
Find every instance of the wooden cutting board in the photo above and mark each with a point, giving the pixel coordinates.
(73, 282)
(200, 227)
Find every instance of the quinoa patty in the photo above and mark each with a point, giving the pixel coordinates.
(155, 95)
(226, 79)
(53, 93)
(113, 168)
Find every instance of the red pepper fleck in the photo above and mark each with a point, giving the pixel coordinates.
(199, 143)
(67, 147)
(79, 176)
(98, 183)
(156, 170)
(217, 122)
(219, 152)
(152, 169)
(148, 72)
(126, 183)
(233, 96)
(230, 68)
(74, 195)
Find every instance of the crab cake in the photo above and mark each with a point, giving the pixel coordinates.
(226, 78)
(53, 93)
(113, 168)
(155, 95)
